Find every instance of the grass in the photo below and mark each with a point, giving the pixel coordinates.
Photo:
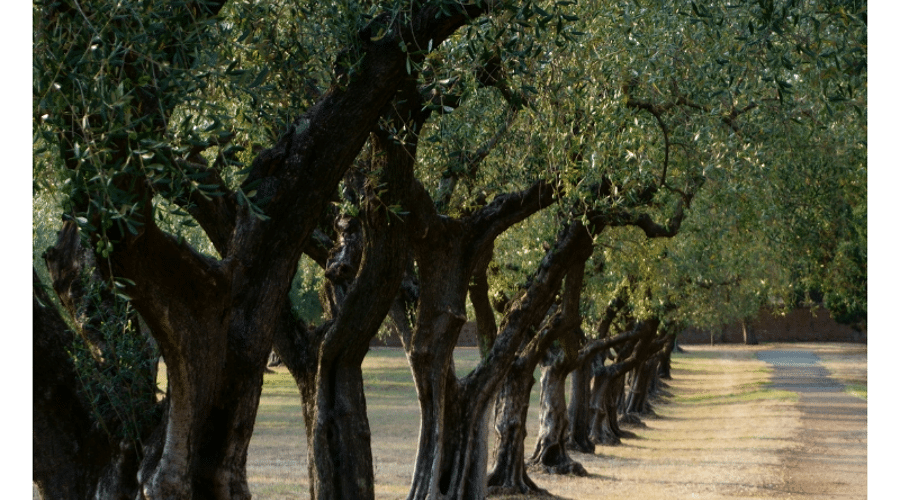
(753, 386)
(858, 390)
(741, 395)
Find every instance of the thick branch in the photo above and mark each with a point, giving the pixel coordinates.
(508, 209)
(215, 214)
(309, 156)
(479, 289)
(591, 349)
(574, 246)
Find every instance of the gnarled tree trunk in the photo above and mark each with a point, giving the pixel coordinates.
(214, 320)
(550, 449)
(509, 476)
(93, 419)
(605, 390)
(579, 412)
(608, 386)
(647, 381)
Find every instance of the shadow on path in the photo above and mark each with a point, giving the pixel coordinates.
(829, 458)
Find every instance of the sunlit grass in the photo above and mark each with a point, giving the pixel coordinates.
(858, 390)
(752, 383)
(738, 396)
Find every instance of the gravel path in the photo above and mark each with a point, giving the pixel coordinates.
(829, 460)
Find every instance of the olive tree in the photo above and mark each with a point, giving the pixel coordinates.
(115, 87)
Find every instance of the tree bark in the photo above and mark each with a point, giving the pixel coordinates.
(638, 395)
(550, 449)
(583, 410)
(484, 313)
(665, 365)
(364, 273)
(579, 413)
(638, 401)
(509, 476)
(605, 427)
(608, 386)
(107, 413)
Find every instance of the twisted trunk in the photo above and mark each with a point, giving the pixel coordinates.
(637, 402)
(647, 375)
(94, 418)
(608, 386)
(604, 429)
(509, 476)
(364, 273)
(509, 472)
(550, 450)
(452, 454)
(665, 364)
(607, 390)
(579, 411)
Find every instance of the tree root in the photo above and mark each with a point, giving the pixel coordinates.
(580, 447)
(513, 490)
(570, 467)
(522, 486)
(631, 419)
(660, 395)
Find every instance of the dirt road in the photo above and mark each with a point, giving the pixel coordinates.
(829, 460)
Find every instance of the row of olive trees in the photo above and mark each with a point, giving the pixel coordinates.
(201, 148)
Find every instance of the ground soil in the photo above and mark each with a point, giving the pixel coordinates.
(733, 425)
(728, 429)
